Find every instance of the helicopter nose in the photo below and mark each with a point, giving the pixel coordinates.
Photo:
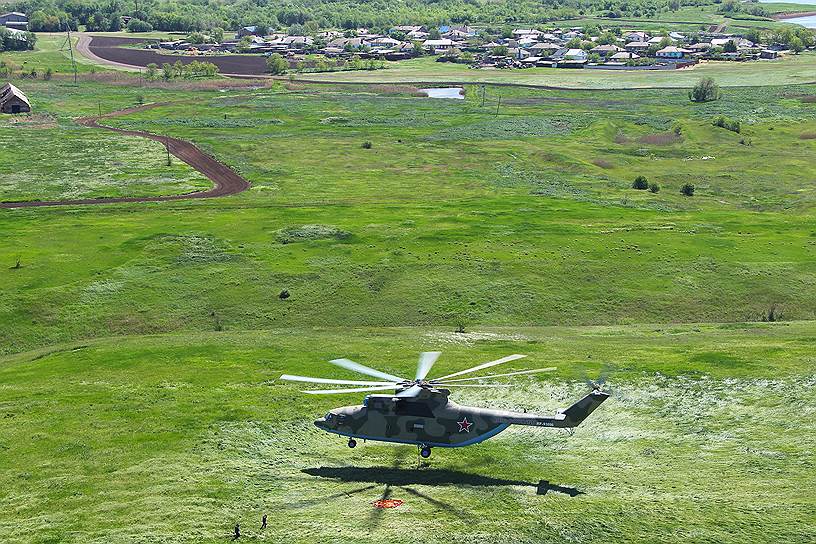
(320, 423)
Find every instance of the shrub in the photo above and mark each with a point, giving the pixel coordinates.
(729, 124)
(305, 233)
(366, 145)
(705, 91)
(687, 189)
(654, 187)
(48, 74)
(137, 25)
(276, 64)
(640, 183)
(283, 295)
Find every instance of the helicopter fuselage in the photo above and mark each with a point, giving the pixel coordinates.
(430, 419)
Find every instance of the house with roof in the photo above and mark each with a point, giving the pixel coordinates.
(569, 58)
(623, 56)
(410, 28)
(606, 50)
(521, 32)
(15, 20)
(442, 45)
(657, 39)
(12, 100)
(671, 52)
(637, 47)
(246, 31)
(636, 36)
(544, 49)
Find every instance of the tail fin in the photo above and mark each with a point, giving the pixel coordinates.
(579, 411)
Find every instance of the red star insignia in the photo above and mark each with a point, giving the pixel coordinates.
(465, 425)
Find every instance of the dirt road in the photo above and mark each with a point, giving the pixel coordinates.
(225, 180)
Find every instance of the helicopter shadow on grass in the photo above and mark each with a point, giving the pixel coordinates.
(430, 477)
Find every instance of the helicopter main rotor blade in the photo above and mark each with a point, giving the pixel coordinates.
(482, 366)
(520, 372)
(309, 379)
(356, 390)
(357, 367)
(478, 385)
(426, 362)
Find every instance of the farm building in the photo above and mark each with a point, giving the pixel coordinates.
(15, 20)
(12, 100)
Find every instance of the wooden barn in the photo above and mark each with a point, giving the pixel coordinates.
(12, 100)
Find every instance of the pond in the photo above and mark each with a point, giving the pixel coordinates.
(457, 93)
(808, 21)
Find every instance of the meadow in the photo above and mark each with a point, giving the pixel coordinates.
(140, 344)
(793, 70)
(176, 438)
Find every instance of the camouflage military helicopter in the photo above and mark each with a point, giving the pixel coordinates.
(419, 411)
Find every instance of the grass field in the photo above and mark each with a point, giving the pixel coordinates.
(140, 344)
(176, 438)
(792, 70)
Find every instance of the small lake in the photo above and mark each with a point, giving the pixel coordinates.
(456, 93)
(807, 22)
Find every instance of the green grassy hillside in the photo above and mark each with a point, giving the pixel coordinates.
(455, 215)
(141, 344)
(177, 438)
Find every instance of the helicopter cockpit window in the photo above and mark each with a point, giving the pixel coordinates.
(329, 416)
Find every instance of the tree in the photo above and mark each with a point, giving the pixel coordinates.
(500, 51)
(244, 45)
(276, 64)
(654, 187)
(705, 91)
(796, 45)
(135, 25)
(152, 70)
(433, 34)
(640, 183)
(217, 34)
(730, 47)
(310, 28)
(167, 71)
(687, 189)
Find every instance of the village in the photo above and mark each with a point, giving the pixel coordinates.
(574, 47)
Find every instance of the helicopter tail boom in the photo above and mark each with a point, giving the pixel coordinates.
(566, 418)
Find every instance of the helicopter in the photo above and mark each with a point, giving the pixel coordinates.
(419, 411)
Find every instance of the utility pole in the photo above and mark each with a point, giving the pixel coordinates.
(498, 104)
(100, 108)
(167, 149)
(483, 95)
(71, 49)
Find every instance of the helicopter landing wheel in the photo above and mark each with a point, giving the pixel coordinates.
(425, 452)
(352, 443)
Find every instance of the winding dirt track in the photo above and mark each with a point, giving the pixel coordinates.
(225, 180)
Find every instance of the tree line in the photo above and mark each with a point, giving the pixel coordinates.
(189, 16)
